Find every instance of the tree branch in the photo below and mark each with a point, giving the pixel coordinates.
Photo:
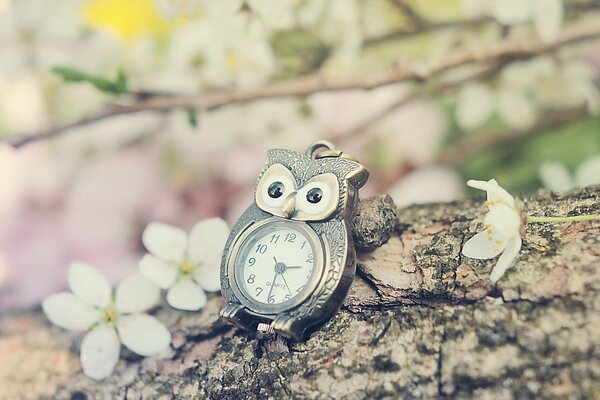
(425, 92)
(501, 51)
(475, 143)
(421, 321)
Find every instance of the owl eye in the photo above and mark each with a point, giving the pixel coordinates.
(274, 187)
(276, 190)
(314, 198)
(314, 195)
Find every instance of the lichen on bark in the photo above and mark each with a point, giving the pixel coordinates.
(421, 321)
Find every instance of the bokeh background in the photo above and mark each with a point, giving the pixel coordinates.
(117, 113)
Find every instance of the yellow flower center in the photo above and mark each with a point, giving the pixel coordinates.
(109, 315)
(126, 20)
(186, 267)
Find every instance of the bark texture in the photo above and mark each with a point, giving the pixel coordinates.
(421, 321)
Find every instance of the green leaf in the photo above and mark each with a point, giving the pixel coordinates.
(192, 117)
(118, 86)
(122, 81)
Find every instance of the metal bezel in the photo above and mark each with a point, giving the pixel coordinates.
(272, 309)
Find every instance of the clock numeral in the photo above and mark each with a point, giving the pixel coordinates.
(271, 300)
(299, 289)
(287, 297)
(303, 244)
(310, 258)
(259, 290)
(261, 248)
(275, 238)
(250, 279)
(251, 261)
(290, 237)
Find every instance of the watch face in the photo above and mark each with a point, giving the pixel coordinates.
(276, 265)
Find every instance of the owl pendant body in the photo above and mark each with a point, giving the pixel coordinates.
(290, 260)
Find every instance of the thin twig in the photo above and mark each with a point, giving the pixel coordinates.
(424, 92)
(501, 51)
(422, 26)
(477, 142)
(429, 27)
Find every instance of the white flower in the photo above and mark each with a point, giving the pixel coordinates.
(477, 102)
(524, 88)
(546, 15)
(111, 319)
(557, 177)
(186, 266)
(502, 226)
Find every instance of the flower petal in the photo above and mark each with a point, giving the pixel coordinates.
(207, 240)
(67, 311)
(494, 191)
(474, 107)
(504, 221)
(186, 295)
(509, 12)
(512, 250)
(547, 18)
(135, 294)
(515, 108)
(100, 352)
(555, 176)
(89, 284)
(484, 245)
(157, 270)
(588, 172)
(208, 277)
(143, 334)
(165, 241)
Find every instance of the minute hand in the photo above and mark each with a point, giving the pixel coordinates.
(272, 286)
(286, 284)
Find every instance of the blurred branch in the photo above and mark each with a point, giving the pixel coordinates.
(428, 91)
(419, 25)
(501, 51)
(481, 141)
(477, 142)
(429, 27)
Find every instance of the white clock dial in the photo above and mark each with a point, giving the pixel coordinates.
(275, 264)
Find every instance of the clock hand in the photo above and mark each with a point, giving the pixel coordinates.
(293, 267)
(286, 284)
(272, 286)
(275, 260)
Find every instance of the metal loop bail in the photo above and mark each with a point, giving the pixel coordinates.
(318, 146)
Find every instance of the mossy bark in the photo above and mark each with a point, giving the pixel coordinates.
(421, 321)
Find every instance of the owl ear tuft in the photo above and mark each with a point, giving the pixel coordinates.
(358, 176)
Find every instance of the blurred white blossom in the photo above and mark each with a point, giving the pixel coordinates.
(502, 229)
(185, 265)
(545, 15)
(556, 176)
(12, 170)
(22, 103)
(524, 89)
(426, 185)
(111, 318)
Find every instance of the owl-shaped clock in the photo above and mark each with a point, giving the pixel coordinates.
(289, 261)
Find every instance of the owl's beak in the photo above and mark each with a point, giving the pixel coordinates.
(289, 207)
